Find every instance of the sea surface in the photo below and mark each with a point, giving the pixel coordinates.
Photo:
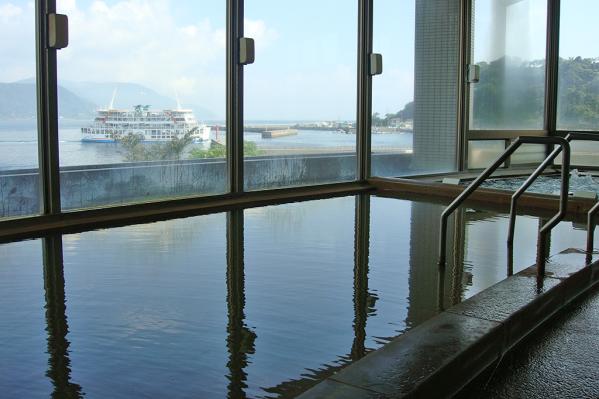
(18, 144)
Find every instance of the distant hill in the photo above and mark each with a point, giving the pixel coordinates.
(18, 101)
(128, 95)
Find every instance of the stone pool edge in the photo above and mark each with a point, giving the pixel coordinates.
(442, 355)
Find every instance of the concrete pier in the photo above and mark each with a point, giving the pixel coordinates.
(273, 134)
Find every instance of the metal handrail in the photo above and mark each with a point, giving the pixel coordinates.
(591, 231)
(525, 186)
(535, 174)
(487, 172)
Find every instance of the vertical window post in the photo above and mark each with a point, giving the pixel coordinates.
(364, 103)
(552, 65)
(47, 111)
(234, 96)
(465, 59)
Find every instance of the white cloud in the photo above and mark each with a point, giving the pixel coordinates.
(139, 41)
(9, 10)
(17, 41)
(257, 30)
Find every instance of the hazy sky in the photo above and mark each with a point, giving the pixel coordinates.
(306, 50)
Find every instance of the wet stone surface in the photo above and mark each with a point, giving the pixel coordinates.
(558, 361)
(442, 354)
(565, 264)
(398, 368)
(505, 299)
(338, 390)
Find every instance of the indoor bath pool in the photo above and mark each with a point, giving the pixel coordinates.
(579, 182)
(261, 302)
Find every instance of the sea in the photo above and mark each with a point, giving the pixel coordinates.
(18, 143)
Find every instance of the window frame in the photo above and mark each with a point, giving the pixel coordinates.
(52, 217)
(550, 99)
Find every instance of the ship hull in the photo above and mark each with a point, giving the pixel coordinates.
(152, 126)
(203, 136)
(104, 140)
(96, 140)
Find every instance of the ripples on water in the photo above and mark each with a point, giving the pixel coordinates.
(174, 309)
(579, 181)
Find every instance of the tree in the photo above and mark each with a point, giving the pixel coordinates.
(133, 147)
(511, 95)
(406, 113)
(376, 119)
(174, 149)
(217, 150)
(137, 150)
(578, 100)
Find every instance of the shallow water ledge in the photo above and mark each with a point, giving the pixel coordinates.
(439, 357)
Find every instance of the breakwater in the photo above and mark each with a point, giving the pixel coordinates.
(273, 134)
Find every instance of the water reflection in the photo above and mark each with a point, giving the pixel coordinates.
(432, 287)
(240, 338)
(396, 286)
(364, 306)
(59, 369)
(364, 301)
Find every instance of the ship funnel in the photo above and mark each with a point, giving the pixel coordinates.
(111, 106)
(178, 102)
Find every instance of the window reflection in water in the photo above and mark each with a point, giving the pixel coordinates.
(391, 284)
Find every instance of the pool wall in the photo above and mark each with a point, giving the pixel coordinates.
(536, 204)
(92, 186)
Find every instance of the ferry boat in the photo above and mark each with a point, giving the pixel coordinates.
(155, 126)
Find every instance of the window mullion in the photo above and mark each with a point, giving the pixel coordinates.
(364, 93)
(552, 65)
(47, 110)
(235, 12)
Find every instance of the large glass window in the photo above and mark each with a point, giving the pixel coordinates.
(300, 95)
(509, 47)
(393, 91)
(414, 124)
(482, 153)
(19, 167)
(142, 101)
(578, 73)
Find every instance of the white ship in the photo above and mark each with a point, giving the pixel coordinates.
(154, 126)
